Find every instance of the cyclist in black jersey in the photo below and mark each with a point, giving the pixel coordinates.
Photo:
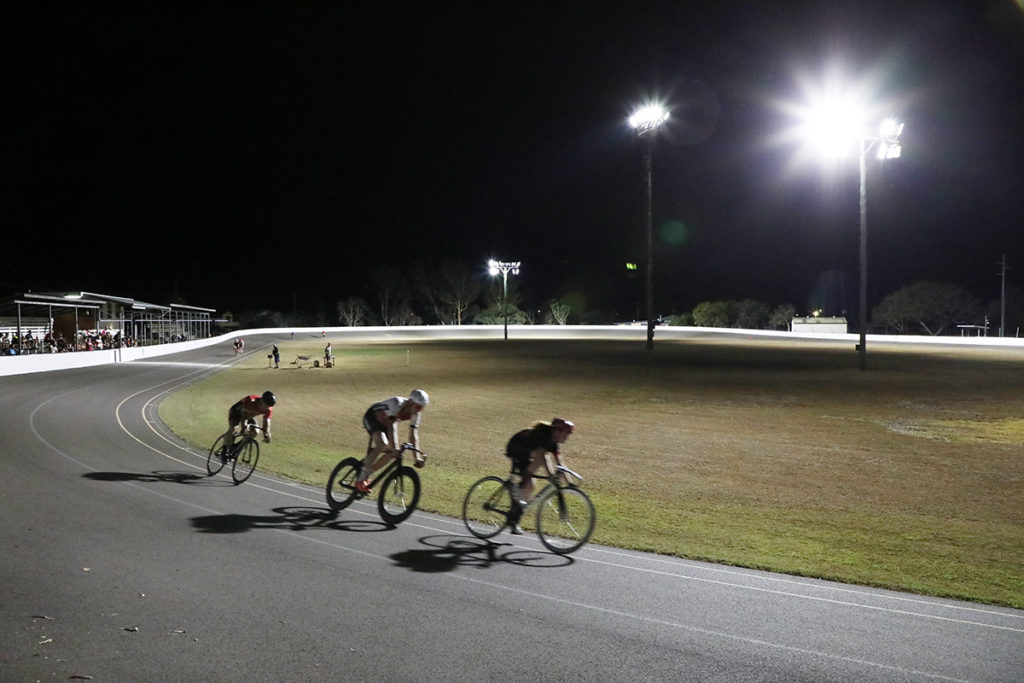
(528, 450)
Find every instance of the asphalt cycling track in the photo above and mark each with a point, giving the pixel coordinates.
(121, 560)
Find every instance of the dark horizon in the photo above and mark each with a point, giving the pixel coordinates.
(269, 157)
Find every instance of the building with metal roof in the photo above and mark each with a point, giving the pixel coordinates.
(70, 315)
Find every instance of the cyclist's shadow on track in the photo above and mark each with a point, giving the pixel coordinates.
(447, 553)
(286, 519)
(154, 476)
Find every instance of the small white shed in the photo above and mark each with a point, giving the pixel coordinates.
(820, 325)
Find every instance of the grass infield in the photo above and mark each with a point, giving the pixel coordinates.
(778, 455)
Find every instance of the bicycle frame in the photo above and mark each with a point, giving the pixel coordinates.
(238, 439)
(552, 480)
(395, 463)
(400, 485)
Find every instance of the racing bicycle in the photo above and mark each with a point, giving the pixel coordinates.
(564, 518)
(399, 492)
(243, 452)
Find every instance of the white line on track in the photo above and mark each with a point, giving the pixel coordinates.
(179, 365)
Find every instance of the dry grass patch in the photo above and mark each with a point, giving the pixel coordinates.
(757, 453)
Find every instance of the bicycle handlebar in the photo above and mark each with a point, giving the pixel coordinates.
(421, 457)
(251, 429)
(566, 470)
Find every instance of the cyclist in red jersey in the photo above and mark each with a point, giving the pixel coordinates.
(249, 408)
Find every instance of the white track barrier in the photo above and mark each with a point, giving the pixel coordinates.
(45, 362)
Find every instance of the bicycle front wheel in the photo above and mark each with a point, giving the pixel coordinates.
(399, 495)
(487, 507)
(341, 486)
(214, 460)
(565, 519)
(245, 460)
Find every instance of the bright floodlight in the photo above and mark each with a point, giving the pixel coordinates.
(832, 114)
(891, 128)
(648, 117)
(889, 141)
(833, 126)
(504, 267)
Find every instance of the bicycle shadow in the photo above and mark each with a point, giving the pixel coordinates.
(284, 519)
(448, 553)
(155, 476)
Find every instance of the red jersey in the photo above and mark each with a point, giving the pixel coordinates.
(249, 408)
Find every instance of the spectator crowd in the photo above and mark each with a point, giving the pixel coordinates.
(87, 340)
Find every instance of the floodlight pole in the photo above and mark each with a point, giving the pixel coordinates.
(889, 147)
(862, 350)
(1002, 297)
(504, 267)
(504, 298)
(645, 121)
(650, 245)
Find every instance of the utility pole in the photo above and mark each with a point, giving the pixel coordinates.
(1002, 298)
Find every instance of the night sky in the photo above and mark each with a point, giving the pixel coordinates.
(251, 155)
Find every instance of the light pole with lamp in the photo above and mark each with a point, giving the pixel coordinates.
(645, 121)
(888, 142)
(831, 122)
(504, 267)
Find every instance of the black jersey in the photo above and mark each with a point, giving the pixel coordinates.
(523, 443)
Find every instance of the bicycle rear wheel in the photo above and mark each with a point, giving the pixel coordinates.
(214, 461)
(341, 486)
(487, 507)
(399, 495)
(245, 460)
(565, 519)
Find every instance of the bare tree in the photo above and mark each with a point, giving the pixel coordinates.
(450, 289)
(352, 311)
(560, 311)
(390, 287)
(459, 289)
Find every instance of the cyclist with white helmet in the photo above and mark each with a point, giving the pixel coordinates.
(528, 450)
(381, 423)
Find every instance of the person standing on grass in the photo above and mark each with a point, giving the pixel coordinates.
(528, 450)
(381, 423)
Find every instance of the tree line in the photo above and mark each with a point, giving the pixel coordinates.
(451, 293)
(930, 308)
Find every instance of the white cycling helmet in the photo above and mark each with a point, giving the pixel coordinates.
(419, 397)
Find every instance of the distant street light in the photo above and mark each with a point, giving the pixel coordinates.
(504, 267)
(645, 121)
